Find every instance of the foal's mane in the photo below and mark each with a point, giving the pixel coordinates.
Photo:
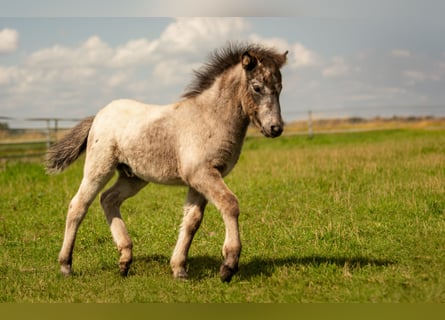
(225, 58)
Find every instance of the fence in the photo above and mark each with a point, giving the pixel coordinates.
(30, 137)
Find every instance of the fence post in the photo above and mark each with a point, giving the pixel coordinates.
(56, 128)
(48, 133)
(310, 131)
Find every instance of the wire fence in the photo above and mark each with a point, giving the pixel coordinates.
(366, 112)
(30, 137)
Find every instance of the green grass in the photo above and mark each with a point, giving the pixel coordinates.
(354, 217)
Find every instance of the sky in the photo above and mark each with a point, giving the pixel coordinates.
(346, 58)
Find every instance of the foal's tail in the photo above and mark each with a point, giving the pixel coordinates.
(64, 152)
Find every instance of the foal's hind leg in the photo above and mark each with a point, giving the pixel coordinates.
(90, 186)
(111, 200)
(193, 212)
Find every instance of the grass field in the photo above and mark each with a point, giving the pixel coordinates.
(351, 217)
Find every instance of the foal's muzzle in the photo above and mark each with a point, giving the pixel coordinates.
(276, 131)
(272, 131)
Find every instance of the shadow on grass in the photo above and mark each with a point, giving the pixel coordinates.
(266, 266)
(203, 267)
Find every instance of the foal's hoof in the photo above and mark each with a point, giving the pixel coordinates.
(124, 272)
(124, 267)
(226, 273)
(180, 275)
(66, 270)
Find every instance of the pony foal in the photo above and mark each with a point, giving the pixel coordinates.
(194, 142)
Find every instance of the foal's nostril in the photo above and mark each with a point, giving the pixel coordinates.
(276, 130)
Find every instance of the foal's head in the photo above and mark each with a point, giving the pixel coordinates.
(260, 82)
(262, 89)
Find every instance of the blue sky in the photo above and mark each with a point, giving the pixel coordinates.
(346, 58)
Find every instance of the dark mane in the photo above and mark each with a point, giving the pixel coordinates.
(224, 58)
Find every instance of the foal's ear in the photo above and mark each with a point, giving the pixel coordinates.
(248, 62)
(283, 59)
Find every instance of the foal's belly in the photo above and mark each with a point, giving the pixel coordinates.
(152, 161)
(158, 174)
(153, 165)
(175, 181)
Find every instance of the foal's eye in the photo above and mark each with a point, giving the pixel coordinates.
(256, 88)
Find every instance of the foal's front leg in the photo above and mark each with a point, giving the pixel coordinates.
(211, 184)
(193, 213)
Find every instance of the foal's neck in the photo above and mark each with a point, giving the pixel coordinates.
(223, 99)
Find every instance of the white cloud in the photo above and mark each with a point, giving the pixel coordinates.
(279, 43)
(299, 56)
(8, 75)
(96, 53)
(117, 79)
(303, 57)
(134, 52)
(76, 80)
(400, 53)
(92, 53)
(413, 77)
(172, 71)
(174, 54)
(96, 72)
(9, 40)
(337, 68)
(192, 34)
